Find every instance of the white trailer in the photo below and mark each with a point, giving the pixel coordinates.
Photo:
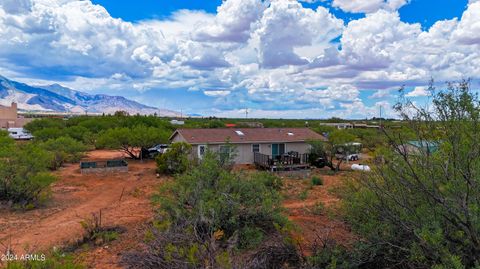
(19, 134)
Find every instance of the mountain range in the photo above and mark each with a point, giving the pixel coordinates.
(56, 98)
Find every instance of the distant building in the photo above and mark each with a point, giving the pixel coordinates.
(251, 124)
(346, 125)
(341, 126)
(9, 117)
(177, 122)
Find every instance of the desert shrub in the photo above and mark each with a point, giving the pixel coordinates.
(303, 195)
(175, 160)
(316, 181)
(280, 255)
(208, 212)
(326, 253)
(218, 199)
(95, 233)
(44, 123)
(24, 177)
(318, 208)
(64, 149)
(79, 133)
(250, 237)
(419, 209)
(47, 133)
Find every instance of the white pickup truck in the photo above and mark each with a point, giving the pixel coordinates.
(19, 134)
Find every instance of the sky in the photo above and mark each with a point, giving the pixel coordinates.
(274, 58)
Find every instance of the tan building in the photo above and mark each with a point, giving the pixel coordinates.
(9, 117)
(261, 146)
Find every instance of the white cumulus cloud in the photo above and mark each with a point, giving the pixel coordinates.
(368, 6)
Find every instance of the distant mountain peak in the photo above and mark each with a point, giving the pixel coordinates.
(56, 97)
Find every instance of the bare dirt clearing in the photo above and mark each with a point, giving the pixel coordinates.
(122, 197)
(310, 208)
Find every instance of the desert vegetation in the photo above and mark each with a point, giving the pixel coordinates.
(24, 173)
(418, 208)
(209, 215)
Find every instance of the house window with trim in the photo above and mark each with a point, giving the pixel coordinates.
(255, 148)
(225, 152)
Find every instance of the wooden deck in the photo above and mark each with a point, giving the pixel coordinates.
(286, 162)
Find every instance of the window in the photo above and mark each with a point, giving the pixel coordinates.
(255, 147)
(240, 133)
(225, 153)
(224, 149)
(201, 151)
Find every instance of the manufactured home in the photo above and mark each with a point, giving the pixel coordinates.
(266, 147)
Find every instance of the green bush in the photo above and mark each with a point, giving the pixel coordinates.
(329, 255)
(64, 149)
(24, 177)
(316, 181)
(48, 133)
(44, 123)
(420, 208)
(79, 133)
(175, 160)
(303, 195)
(250, 237)
(209, 211)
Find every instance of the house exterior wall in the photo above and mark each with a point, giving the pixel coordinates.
(9, 117)
(244, 151)
(8, 113)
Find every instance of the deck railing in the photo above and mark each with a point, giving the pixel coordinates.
(286, 160)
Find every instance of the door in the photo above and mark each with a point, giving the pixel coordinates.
(277, 150)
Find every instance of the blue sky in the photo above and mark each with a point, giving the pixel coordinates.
(277, 58)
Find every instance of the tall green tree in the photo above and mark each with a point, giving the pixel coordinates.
(421, 207)
(327, 150)
(132, 141)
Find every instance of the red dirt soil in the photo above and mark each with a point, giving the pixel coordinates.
(311, 225)
(124, 199)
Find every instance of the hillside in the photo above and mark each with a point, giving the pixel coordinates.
(61, 99)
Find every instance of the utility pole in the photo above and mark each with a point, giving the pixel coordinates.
(381, 127)
(246, 113)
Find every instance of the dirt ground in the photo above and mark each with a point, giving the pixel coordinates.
(123, 199)
(313, 209)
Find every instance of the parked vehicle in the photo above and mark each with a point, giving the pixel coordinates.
(319, 162)
(158, 149)
(361, 167)
(349, 157)
(19, 134)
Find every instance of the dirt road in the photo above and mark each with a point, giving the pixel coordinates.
(122, 197)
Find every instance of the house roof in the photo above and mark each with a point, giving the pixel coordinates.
(247, 135)
(431, 146)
